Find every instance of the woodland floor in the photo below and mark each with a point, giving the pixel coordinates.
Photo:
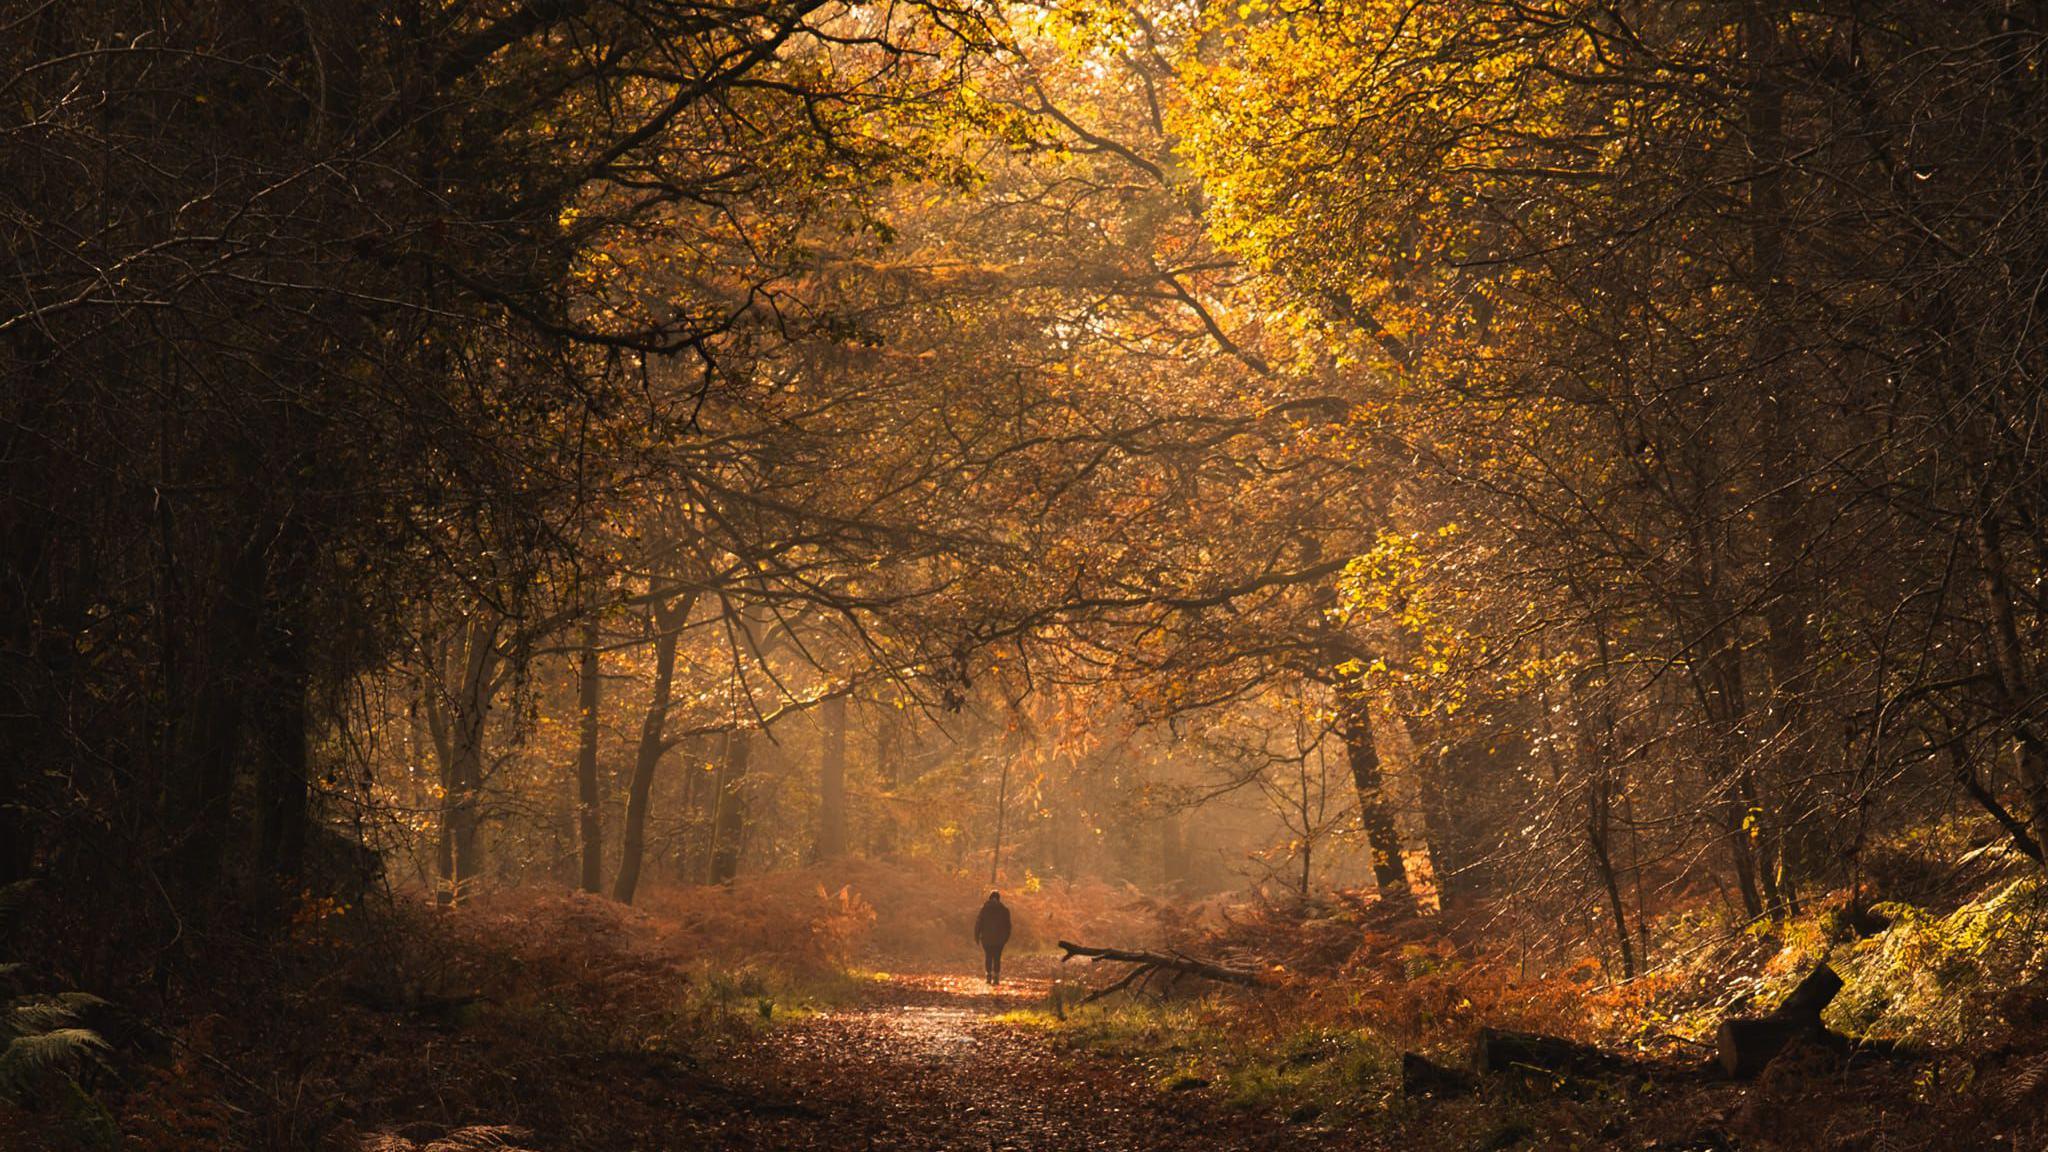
(925, 1061)
(561, 1023)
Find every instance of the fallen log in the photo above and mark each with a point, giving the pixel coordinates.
(1502, 1050)
(1421, 1076)
(1745, 1044)
(429, 1006)
(1146, 965)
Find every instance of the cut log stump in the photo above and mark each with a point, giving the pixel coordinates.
(1746, 1044)
(1813, 995)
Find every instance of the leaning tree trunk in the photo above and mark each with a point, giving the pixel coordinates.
(1599, 840)
(1375, 813)
(995, 858)
(589, 802)
(2013, 675)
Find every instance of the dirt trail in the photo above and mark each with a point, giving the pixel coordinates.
(926, 1065)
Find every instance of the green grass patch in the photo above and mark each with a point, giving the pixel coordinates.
(1302, 1074)
(724, 1002)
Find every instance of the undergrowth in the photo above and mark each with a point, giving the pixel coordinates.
(325, 1023)
(45, 1047)
(547, 1011)
(1961, 983)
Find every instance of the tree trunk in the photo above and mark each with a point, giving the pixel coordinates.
(1790, 850)
(205, 792)
(281, 783)
(888, 760)
(1375, 814)
(463, 815)
(730, 822)
(589, 799)
(702, 756)
(995, 860)
(1440, 828)
(459, 730)
(1598, 752)
(468, 777)
(653, 729)
(1599, 824)
(1965, 774)
(832, 779)
(1173, 853)
(714, 780)
(444, 759)
(1742, 815)
(2013, 676)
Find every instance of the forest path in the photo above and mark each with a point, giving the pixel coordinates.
(927, 1063)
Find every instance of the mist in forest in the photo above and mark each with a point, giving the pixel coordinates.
(1075, 574)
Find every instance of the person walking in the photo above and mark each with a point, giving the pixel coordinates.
(992, 931)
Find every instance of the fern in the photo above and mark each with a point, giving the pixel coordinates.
(33, 1014)
(13, 898)
(40, 1033)
(477, 1138)
(28, 1058)
(2027, 1083)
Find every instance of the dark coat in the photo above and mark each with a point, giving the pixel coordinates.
(992, 927)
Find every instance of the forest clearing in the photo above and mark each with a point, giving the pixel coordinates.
(1024, 574)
